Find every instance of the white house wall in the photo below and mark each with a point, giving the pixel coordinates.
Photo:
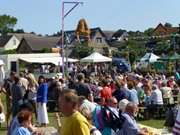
(12, 44)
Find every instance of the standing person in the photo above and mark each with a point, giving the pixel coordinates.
(106, 91)
(42, 92)
(74, 123)
(23, 81)
(17, 95)
(32, 91)
(119, 94)
(82, 88)
(7, 90)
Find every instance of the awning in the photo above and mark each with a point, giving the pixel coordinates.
(43, 60)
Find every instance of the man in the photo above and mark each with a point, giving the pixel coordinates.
(23, 81)
(17, 92)
(130, 126)
(82, 88)
(156, 96)
(73, 123)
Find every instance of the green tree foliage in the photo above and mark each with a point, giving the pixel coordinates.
(7, 23)
(12, 51)
(19, 31)
(46, 50)
(168, 24)
(82, 50)
(149, 32)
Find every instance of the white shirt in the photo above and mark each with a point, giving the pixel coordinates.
(156, 97)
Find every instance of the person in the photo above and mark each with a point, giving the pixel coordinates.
(133, 93)
(2, 116)
(74, 123)
(42, 92)
(86, 104)
(14, 124)
(18, 93)
(167, 93)
(93, 130)
(130, 126)
(109, 115)
(156, 96)
(24, 118)
(7, 90)
(119, 93)
(176, 128)
(106, 91)
(82, 88)
(32, 91)
(23, 81)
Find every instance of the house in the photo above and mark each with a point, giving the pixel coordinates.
(98, 40)
(37, 44)
(120, 36)
(97, 37)
(162, 30)
(8, 42)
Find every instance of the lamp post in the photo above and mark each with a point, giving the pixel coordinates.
(65, 14)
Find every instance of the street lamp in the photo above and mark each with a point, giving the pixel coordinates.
(65, 14)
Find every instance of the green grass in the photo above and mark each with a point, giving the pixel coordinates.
(153, 123)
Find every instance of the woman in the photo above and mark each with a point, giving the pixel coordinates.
(24, 119)
(42, 92)
(32, 91)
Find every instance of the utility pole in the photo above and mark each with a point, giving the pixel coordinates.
(65, 14)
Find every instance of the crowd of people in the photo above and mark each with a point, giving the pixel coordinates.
(92, 100)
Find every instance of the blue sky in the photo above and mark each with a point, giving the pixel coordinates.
(44, 16)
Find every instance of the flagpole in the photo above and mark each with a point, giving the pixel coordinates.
(76, 3)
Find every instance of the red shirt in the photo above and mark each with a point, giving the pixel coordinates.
(106, 92)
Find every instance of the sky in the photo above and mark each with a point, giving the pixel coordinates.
(44, 16)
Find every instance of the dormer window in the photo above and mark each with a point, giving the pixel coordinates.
(14, 42)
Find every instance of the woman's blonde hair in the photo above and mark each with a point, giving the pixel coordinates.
(32, 79)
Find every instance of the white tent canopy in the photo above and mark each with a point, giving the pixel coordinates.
(1, 62)
(53, 60)
(96, 57)
(149, 57)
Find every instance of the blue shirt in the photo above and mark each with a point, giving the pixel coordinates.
(129, 126)
(42, 93)
(22, 131)
(134, 96)
(13, 125)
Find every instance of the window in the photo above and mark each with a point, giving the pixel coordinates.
(14, 42)
(99, 40)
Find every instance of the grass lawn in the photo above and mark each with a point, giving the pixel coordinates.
(53, 122)
(153, 123)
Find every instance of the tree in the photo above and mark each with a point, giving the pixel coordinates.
(19, 31)
(7, 24)
(148, 32)
(81, 50)
(168, 24)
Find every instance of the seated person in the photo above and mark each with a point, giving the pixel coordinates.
(130, 126)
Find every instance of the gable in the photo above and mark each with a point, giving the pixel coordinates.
(24, 47)
(13, 43)
(4, 40)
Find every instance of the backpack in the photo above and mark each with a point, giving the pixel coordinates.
(111, 120)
